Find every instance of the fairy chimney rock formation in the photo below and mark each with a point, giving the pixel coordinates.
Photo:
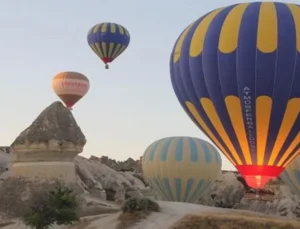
(48, 146)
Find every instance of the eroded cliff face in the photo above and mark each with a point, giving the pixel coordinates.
(100, 181)
(226, 192)
(127, 165)
(54, 129)
(47, 148)
(55, 122)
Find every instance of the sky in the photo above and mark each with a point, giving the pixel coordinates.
(129, 106)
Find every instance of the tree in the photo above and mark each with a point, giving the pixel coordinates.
(135, 204)
(55, 206)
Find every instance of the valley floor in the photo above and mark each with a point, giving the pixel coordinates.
(180, 216)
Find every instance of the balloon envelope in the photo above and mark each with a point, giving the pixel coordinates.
(108, 40)
(236, 73)
(70, 87)
(181, 168)
(291, 175)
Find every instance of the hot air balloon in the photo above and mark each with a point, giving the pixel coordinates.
(108, 41)
(291, 175)
(236, 73)
(181, 168)
(70, 87)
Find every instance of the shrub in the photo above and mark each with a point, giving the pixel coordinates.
(143, 204)
(55, 206)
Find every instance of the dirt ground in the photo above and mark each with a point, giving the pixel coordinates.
(222, 221)
(129, 219)
(5, 223)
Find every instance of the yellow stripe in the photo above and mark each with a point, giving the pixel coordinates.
(175, 167)
(94, 49)
(126, 32)
(112, 28)
(267, 28)
(121, 29)
(263, 114)
(197, 42)
(111, 48)
(295, 10)
(292, 146)
(214, 118)
(234, 109)
(104, 49)
(172, 166)
(116, 51)
(178, 47)
(230, 30)
(119, 52)
(104, 27)
(99, 50)
(290, 116)
(292, 158)
(200, 121)
(96, 28)
(184, 175)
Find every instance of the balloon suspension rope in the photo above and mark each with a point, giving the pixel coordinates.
(106, 66)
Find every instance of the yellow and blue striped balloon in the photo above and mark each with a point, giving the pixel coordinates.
(108, 41)
(291, 176)
(236, 73)
(181, 168)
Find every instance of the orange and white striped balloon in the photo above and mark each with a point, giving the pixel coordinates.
(70, 87)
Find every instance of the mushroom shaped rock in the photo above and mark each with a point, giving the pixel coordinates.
(48, 146)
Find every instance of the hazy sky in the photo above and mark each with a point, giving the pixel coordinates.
(127, 107)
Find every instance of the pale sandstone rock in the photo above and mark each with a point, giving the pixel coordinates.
(48, 146)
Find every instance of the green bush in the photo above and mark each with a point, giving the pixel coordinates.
(58, 206)
(134, 204)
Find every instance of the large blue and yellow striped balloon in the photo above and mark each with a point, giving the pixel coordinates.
(236, 72)
(291, 176)
(181, 168)
(108, 41)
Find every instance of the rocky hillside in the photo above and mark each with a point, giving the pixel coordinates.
(226, 192)
(100, 181)
(128, 165)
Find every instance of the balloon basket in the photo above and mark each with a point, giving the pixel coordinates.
(106, 66)
(260, 195)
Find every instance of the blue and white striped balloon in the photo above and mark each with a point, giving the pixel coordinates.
(181, 168)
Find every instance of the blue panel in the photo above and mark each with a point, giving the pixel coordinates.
(168, 188)
(165, 148)
(178, 188)
(188, 190)
(179, 150)
(193, 150)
